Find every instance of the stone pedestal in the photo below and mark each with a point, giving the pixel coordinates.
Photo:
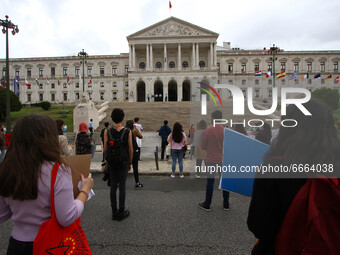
(85, 111)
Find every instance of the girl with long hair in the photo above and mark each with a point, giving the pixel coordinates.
(25, 177)
(178, 141)
(66, 150)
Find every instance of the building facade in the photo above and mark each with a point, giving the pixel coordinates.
(166, 62)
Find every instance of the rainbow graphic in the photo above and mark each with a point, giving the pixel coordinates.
(209, 93)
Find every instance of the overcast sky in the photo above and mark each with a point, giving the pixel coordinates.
(63, 27)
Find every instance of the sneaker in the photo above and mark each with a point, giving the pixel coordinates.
(172, 175)
(138, 186)
(181, 176)
(226, 207)
(204, 207)
(123, 215)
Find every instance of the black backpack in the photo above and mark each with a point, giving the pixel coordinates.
(116, 149)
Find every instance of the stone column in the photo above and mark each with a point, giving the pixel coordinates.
(193, 60)
(211, 55)
(133, 56)
(215, 55)
(197, 55)
(165, 58)
(151, 57)
(179, 91)
(179, 59)
(147, 57)
(130, 56)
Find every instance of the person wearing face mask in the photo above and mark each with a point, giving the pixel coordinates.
(66, 150)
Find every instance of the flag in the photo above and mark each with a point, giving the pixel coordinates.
(37, 81)
(58, 81)
(170, 5)
(258, 73)
(47, 81)
(336, 80)
(91, 81)
(294, 76)
(16, 86)
(317, 76)
(304, 77)
(280, 75)
(270, 73)
(329, 78)
(68, 80)
(27, 84)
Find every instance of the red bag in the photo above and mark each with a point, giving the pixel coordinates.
(52, 238)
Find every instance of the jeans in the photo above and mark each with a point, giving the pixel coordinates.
(177, 154)
(2, 155)
(210, 187)
(135, 169)
(19, 248)
(118, 175)
(164, 144)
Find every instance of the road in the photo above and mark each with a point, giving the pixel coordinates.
(165, 219)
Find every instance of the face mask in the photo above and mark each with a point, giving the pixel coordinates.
(64, 128)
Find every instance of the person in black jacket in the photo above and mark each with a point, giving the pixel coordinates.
(164, 132)
(83, 140)
(312, 141)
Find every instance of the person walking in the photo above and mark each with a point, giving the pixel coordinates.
(164, 132)
(91, 128)
(118, 167)
(25, 194)
(139, 127)
(135, 133)
(212, 143)
(66, 150)
(178, 141)
(106, 124)
(83, 140)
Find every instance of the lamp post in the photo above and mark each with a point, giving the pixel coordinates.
(273, 50)
(82, 54)
(7, 24)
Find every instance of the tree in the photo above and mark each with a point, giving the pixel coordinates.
(329, 96)
(15, 103)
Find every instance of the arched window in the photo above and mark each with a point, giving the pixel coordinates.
(172, 64)
(158, 64)
(141, 65)
(202, 64)
(185, 64)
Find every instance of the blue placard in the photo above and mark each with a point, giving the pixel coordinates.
(240, 153)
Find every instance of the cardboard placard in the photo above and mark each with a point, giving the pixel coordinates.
(80, 164)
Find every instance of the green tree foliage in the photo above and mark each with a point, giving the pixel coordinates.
(14, 100)
(329, 96)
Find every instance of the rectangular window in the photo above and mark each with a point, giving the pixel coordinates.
(283, 66)
(89, 85)
(230, 67)
(335, 66)
(76, 71)
(270, 82)
(269, 93)
(29, 98)
(52, 71)
(243, 67)
(65, 86)
(77, 85)
(41, 72)
(126, 69)
(114, 70)
(102, 84)
(114, 95)
(296, 67)
(269, 66)
(322, 66)
(102, 71)
(126, 95)
(17, 72)
(257, 66)
(4, 72)
(90, 95)
(40, 86)
(231, 82)
(257, 93)
(29, 72)
(126, 84)
(65, 71)
(77, 96)
(52, 85)
(101, 95)
(41, 97)
(243, 82)
(52, 97)
(114, 84)
(65, 96)
(89, 70)
(309, 66)
(257, 82)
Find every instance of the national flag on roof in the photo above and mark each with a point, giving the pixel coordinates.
(58, 81)
(68, 80)
(294, 76)
(16, 86)
(47, 81)
(304, 77)
(170, 5)
(37, 81)
(280, 75)
(270, 73)
(336, 80)
(27, 84)
(317, 76)
(258, 73)
(329, 78)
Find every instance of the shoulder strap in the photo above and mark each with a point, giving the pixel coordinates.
(122, 135)
(109, 134)
(53, 179)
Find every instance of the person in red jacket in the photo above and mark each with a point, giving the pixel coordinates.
(313, 141)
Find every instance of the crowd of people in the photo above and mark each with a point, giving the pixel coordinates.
(26, 169)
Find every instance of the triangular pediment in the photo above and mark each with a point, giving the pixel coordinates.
(172, 27)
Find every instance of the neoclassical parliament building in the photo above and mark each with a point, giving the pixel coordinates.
(166, 62)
